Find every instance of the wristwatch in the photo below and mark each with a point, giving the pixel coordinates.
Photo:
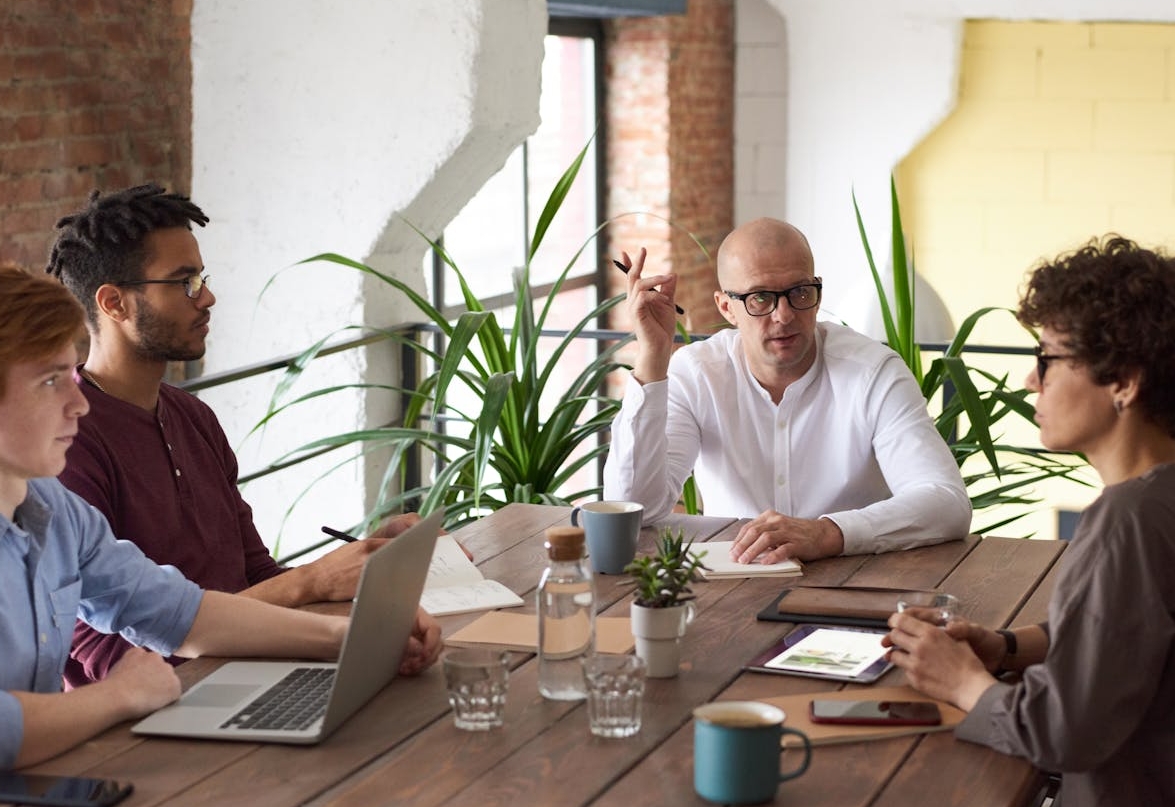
(1010, 650)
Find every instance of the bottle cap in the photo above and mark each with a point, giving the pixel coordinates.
(564, 543)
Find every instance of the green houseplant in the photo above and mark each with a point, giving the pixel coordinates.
(523, 437)
(967, 402)
(663, 605)
(663, 579)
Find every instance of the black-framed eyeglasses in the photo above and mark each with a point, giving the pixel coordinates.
(1043, 359)
(762, 303)
(193, 284)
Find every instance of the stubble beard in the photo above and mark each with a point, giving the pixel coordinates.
(160, 340)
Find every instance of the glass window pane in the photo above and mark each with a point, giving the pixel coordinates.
(568, 106)
(485, 240)
(488, 238)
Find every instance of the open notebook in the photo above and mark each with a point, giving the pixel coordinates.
(456, 586)
(238, 701)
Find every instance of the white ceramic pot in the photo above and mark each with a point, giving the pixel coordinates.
(658, 633)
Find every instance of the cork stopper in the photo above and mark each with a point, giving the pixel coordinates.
(564, 543)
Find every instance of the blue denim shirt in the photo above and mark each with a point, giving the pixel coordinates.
(60, 562)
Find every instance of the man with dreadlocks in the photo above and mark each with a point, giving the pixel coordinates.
(152, 458)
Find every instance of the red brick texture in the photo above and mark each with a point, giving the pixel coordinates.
(93, 94)
(670, 84)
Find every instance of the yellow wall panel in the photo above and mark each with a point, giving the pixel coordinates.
(1011, 178)
(1106, 73)
(1018, 36)
(1152, 225)
(990, 73)
(1020, 124)
(1132, 35)
(986, 175)
(1046, 229)
(956, 228)
(1110, 176)
(1134, 125)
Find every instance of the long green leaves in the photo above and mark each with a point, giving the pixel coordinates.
(971, 402)
(488, 415)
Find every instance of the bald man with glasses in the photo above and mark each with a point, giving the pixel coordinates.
(817, 434)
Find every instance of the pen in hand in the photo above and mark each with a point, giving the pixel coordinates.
(624, 269)
(342, 536)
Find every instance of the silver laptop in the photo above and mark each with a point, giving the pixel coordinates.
(303, 702)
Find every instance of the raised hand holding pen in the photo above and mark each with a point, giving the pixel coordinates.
(623, 268)
(652, 310)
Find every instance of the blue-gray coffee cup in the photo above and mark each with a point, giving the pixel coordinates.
(611, 530)
(736, 751)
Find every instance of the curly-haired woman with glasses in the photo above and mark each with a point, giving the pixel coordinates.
(1096, 695)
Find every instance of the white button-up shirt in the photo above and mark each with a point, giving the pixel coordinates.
(851, 441)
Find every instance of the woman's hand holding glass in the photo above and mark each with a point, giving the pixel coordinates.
(939, 661)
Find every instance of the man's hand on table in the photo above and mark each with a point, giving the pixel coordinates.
(772, 537)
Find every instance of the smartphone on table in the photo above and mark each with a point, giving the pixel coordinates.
(60, 791)
(876, 713)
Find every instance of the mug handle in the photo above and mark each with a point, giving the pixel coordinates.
(792, 774)
(575, 516)
(691, 610)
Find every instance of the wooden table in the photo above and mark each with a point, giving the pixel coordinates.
(402, 748)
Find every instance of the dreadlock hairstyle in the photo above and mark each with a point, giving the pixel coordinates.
(105, 242)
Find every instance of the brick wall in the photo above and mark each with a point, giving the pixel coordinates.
(93, 94)
(670, 114)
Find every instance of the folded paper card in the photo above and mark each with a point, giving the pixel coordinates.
(521, 632)
(796, 709)
(456, 586)
(720, 565)
(865, 606)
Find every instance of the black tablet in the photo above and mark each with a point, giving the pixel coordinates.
(836, 652)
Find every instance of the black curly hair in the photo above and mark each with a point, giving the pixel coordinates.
(1114, 303)
(104, 242)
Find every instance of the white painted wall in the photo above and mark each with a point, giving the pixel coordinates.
(315, 126)
(862, 82)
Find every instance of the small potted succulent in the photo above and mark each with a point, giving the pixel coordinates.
(662, 601)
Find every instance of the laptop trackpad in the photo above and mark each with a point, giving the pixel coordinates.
(218, 695)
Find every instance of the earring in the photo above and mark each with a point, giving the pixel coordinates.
(1118, 405)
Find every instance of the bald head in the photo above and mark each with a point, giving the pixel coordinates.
(762, 243)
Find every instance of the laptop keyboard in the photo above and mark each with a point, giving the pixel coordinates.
(291, 704)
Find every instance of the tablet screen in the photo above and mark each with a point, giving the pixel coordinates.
(827, 651)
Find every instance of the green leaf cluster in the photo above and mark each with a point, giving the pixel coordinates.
(663, 578)
(524, 438)
(970, 401)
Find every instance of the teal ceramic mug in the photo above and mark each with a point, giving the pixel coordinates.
(736, 751)
(612, 530)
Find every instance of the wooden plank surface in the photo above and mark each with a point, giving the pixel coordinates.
(403, 747)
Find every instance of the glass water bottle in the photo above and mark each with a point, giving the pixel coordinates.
(567, 615)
